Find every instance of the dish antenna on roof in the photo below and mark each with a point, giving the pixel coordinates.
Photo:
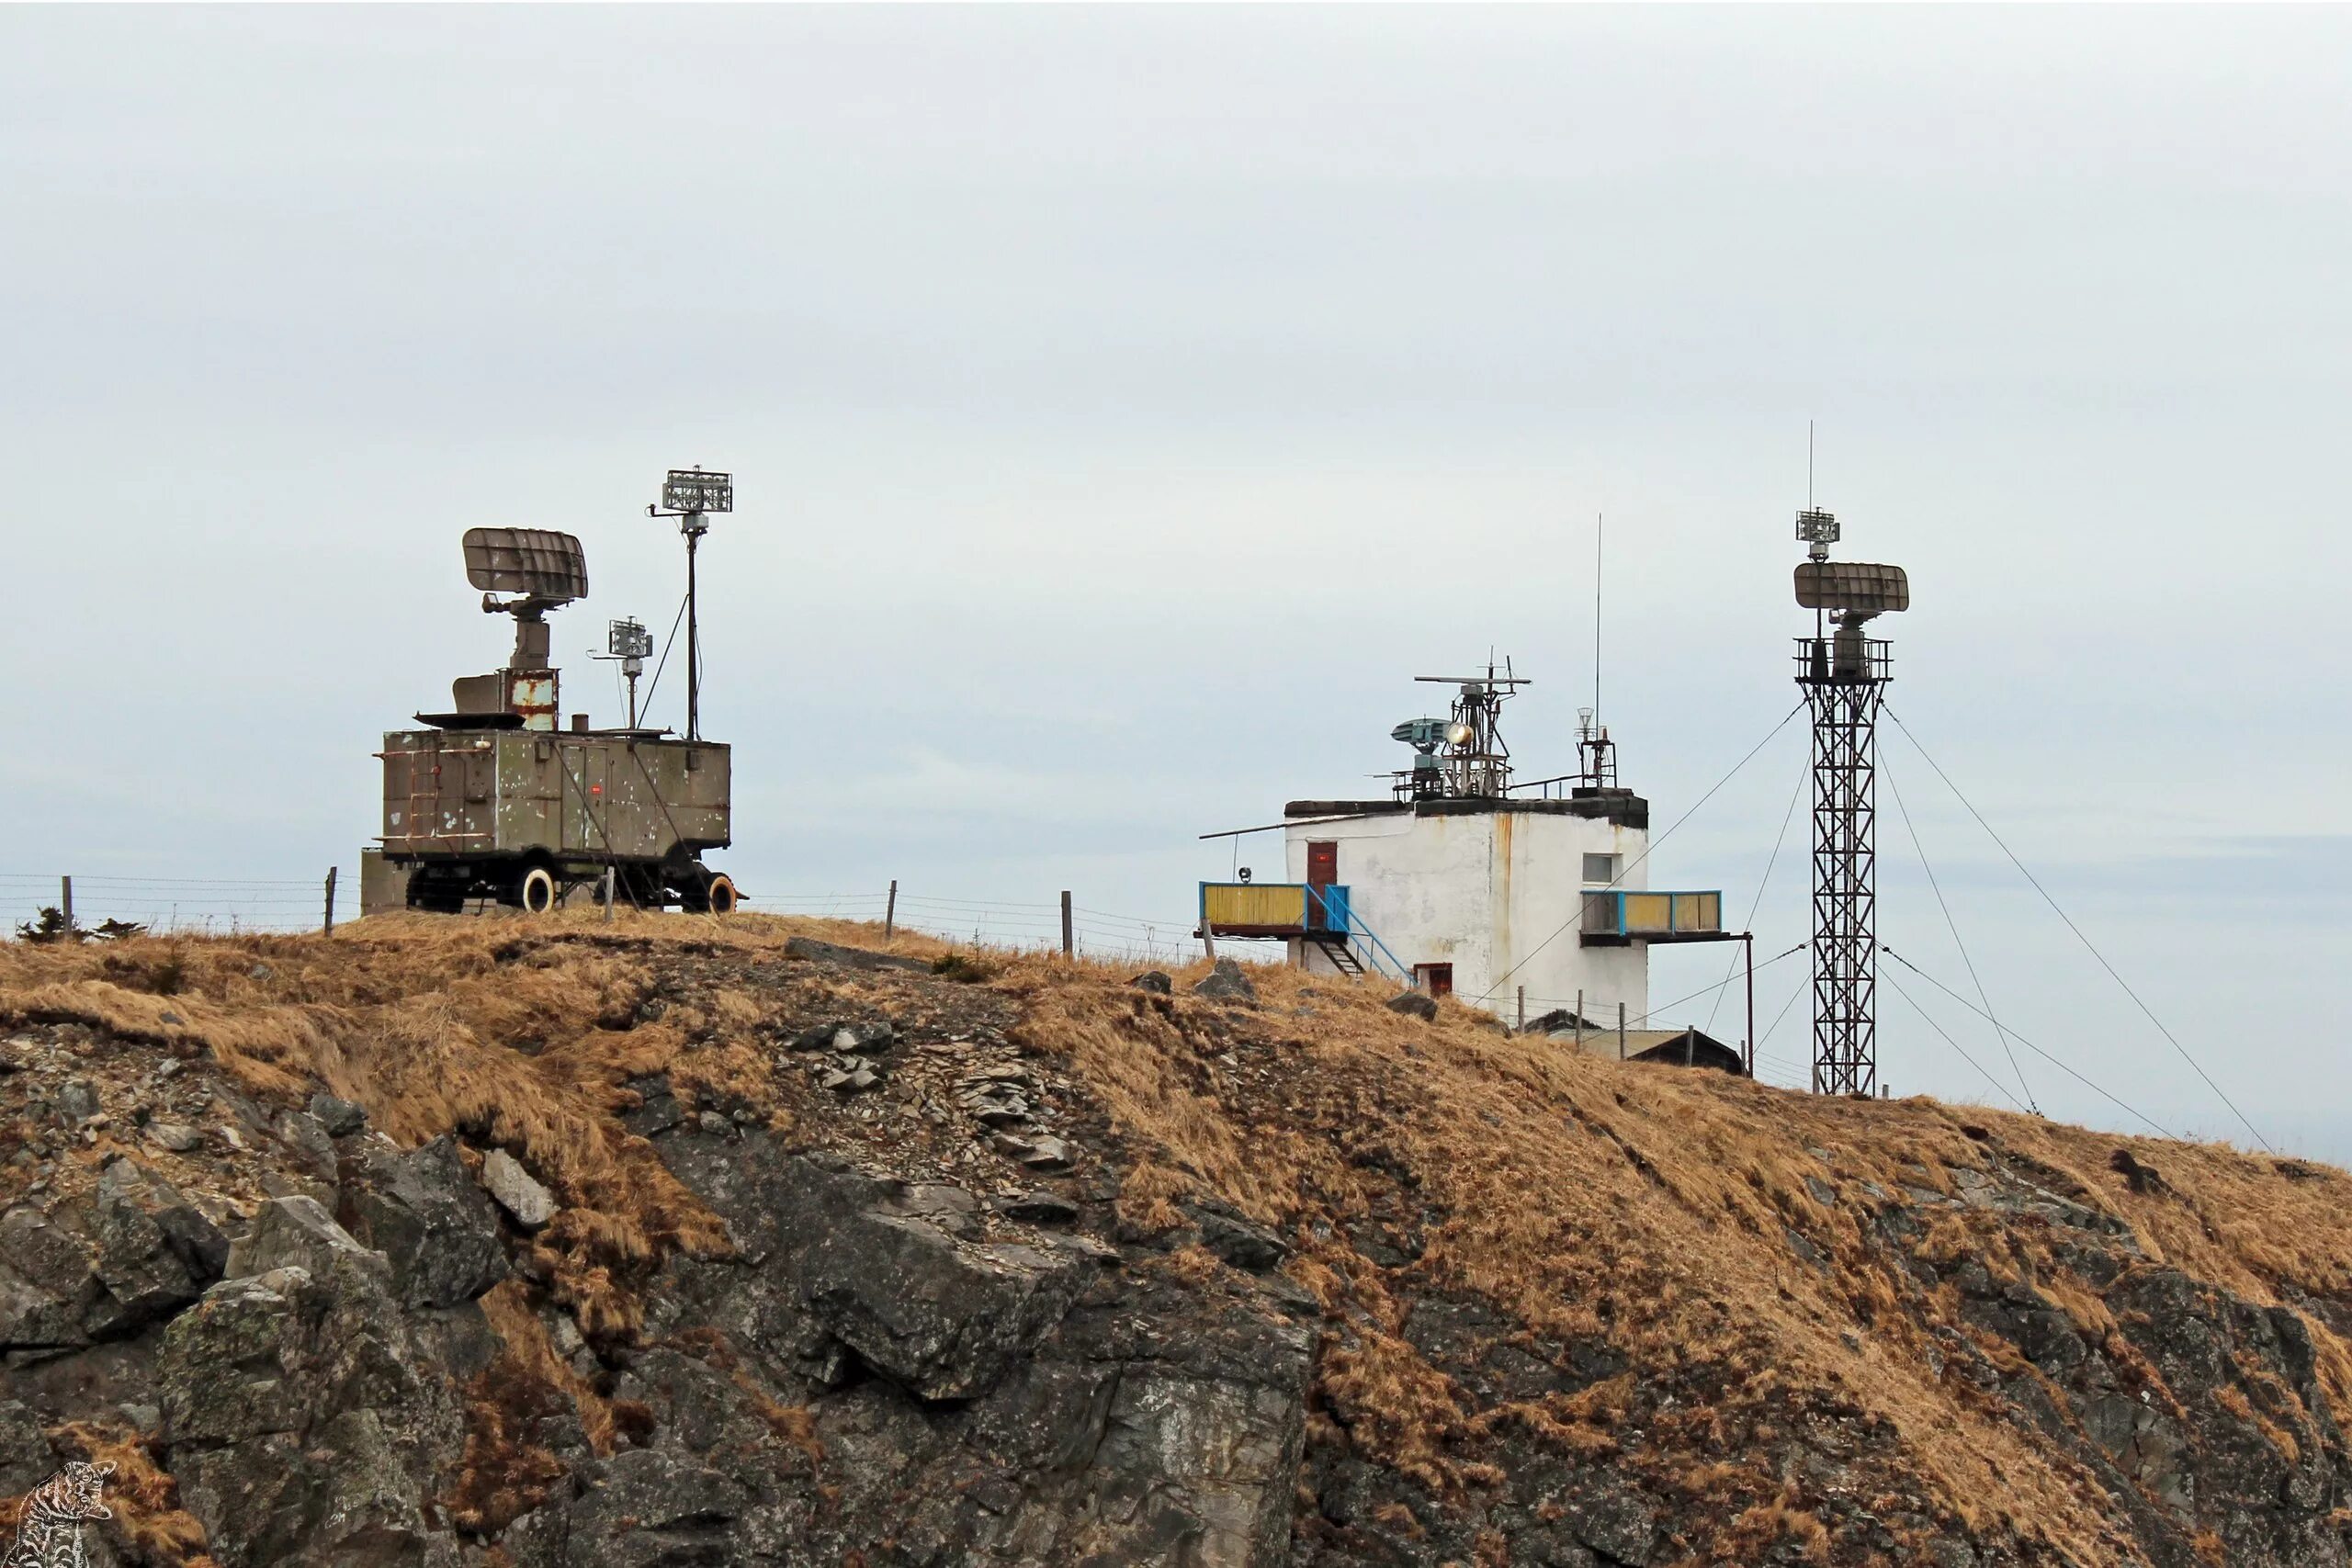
(690, 495)
(1476, 762)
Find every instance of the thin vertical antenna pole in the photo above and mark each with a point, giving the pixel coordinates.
(1808, 465)
(694, 660)
(1596, 620)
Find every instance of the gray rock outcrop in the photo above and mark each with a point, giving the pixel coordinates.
(1226, 982)
(425, 1213)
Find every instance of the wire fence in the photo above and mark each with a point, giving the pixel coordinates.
(234, 906)
(1005, 925)
(168, 906)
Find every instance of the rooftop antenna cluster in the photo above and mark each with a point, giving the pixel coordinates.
(1462, 754)
(1843, 673)
(1596, 753)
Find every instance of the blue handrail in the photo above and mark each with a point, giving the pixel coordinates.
(1337, 914)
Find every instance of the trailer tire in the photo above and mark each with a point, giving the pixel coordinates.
(536, 894)
(719, 895)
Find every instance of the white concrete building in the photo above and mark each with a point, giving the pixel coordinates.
(1462, 883)
(1480, 896)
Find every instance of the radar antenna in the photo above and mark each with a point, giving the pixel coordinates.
(1476, 762)
(1844, 676)
(544, 571)
(690, 496)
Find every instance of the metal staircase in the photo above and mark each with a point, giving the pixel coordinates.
(1339, 950)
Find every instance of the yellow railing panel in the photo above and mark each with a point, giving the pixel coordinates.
(1239, 904)
(1649, 912)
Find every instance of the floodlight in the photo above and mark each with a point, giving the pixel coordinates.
(627, 640)
(540, 562)
(691, 491)
(1459, 735)
(1864, 587)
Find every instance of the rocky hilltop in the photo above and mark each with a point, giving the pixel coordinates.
(675, 1241)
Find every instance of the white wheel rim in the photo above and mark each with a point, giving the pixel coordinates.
(538, 891)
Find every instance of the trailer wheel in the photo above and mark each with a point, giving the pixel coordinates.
(718, 897)
(537, 892)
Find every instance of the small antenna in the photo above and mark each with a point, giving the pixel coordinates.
(1596, 615)
(1808, 465)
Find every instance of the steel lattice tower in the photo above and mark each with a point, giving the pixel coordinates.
(1843, 675)
(1844, 699)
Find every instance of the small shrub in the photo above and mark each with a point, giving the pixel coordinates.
(49, 926)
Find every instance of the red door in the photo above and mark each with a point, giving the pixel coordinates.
(1322, 862)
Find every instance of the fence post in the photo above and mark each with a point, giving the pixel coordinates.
(611, 893)
(1620, 1032)
(890, 912)
(1070, 947)
(65, 902)
(1523, 1008)
(327, 927)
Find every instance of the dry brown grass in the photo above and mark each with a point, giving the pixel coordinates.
(145, 1500)
(1644, 1209)
(1649, 1209)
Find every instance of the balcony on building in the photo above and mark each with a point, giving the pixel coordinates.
(1618, 917)
(1274, 908)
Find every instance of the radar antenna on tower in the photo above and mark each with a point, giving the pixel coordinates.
(690, 496)
(1844, 674)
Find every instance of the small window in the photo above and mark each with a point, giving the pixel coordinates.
(1437, 979)
(1601, 870)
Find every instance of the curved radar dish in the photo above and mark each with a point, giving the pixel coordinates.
(537, 562)
(1851, 586)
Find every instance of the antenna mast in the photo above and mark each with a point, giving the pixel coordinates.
(1596, 617)
(690, 495)
(1844, 677)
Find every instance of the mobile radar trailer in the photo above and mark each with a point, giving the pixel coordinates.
(497, 800)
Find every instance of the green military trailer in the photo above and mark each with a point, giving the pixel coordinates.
(493, 800)
(521, 816)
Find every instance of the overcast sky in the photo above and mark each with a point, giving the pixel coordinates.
(1126, 404)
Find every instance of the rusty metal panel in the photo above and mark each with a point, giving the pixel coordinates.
(1238, 904)
(532, 693)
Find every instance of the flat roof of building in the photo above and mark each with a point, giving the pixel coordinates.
(1622, 806)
